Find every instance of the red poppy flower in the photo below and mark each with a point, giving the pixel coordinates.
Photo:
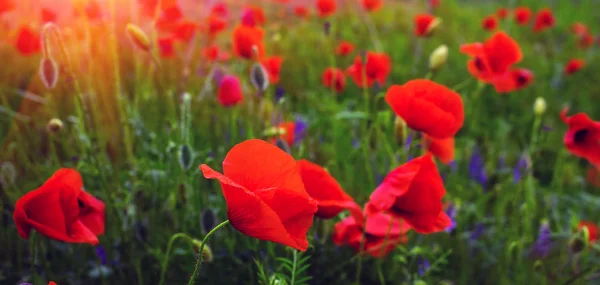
(324, 189)
(165, 47)
(522, 15)
(427, 107)
(377, 68)
(502, 13)
(93, 10)
(48, 15)
(379, 236)
(230, 91)
(60, 209)
(489, 23)
(245, 39)
(301, 11)
(434, 3)
(344, 48)
(168, 19)
(493, 59)
(425, 24)
(264, 193)
(513, 80)
(413, 192)
(334, 78)
(258, 15)
(582, 138)
(7, 6)
(574, 65)
(326, 7)
(442, 149)
(544, 19)
(51, 283)
(585, 41)
(273, 66)
(372, 5)
(593, 177)
(28, 41)
(211, 53)
(592, 230)
(219, 9)
(579, 29)
(184, 30)
(216, 25)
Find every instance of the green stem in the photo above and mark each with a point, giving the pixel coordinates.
(168, 254)
(294, 267)
(32, 251)
(199, 259)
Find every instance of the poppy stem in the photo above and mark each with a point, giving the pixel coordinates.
(168, 254)
(199, 259)
(33, 249)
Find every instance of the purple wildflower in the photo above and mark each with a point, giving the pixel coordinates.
(423, 265)
(300, 127)
(521, 168)
(478, 231)
(101, 254)
(218, 75)
(451, 211)
(477, 170)
(279, 92)
(547, 128)
(408, 142)
(542, 246)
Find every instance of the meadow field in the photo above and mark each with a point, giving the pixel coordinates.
(291, 142)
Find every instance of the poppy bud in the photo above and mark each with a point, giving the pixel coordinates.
(539, 107)
(400, 130)
(48, 72)
(433, 26)
(186, 157)
(54, 126)
(138, 37)
(259, 77)
(207, 255)
(283, 145)
(266, 110)
(438, 57)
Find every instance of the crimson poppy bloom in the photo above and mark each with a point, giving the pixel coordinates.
(522, 15)
(273, 66)
(434, 3)
(344, 48)
(216, 25)
(219, 9)
(489, 23)
(51, 283)
(425, 24)
(582, 138)
(492, 60)
(413, 192)
(245, 39)
(579, 29)
(260, 182)
(326, 7)
(376, 69)
(372, 5)
(168, 19)
(185, 30)
(513, 80)
(301, 11)
(544, 19)
(323, 188)
(6, 6)
(93, 11)
(60, 209)
(585, 41)
(48, 15)
(230, 91)
(442, 149)
(254, 16)
(428, 107)
(165, 47)
(573, 66)
(379, 236)
(28, 41)
(211, 53)
(334, 78)
(592, 230)
(502, 13)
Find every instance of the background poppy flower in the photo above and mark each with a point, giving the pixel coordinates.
(425, 24)
(502, 13)
(427, 107)
(513, 80)
(434, 3)
(28, 41)
(245, 39)
(219, 9)
(334, 78)
(61, 210)
(185, 30)
(573, 66)
(260, 182)
(48, 15)
(585, 41)
(442, 149)
(301, 11)
(593, 176)
(592, 230)
(372, 5)
(544, 19)
(522, 15)
(579, 29)
(211, 53)
(326, 7)
(230, 91)
(378, 66)
(325, 190)
(489, 23)
(344, 48)
(6, 6)
(413, 192)
(216, 25)
(582, 137)
(165, 47)
(273, 66)
(379, 238)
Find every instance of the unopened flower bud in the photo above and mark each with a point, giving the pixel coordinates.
(259, 77)
(207, 255)
(138, 37)
(283, 145)
(433, 26)
(54, 126)
(48, 72)
(438, 57)
(186, 157)
(539, 107)
(400, 130)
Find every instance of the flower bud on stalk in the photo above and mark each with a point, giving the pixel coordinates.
(138, 37)
(438, 58)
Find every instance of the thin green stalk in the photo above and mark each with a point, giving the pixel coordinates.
(199, 259)
(293, 281)
(165, 263)
(33, 252)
